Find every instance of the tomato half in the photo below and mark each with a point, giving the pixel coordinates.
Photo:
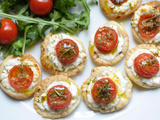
(148, 30)
(59, 97)
(8, 31)
(106, 39)
(67, 51)
(20, 77)
(146, 65)
(118, 2)
(104, 91)
(41, 7)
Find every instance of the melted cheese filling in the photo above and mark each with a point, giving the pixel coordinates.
(108, 56)
(51, 52)
(41, 101)
(120, 82)
(155, 80)
(11, 63)
(135, 19)
(121, 9)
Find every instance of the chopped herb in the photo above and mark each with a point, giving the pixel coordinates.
(59, 94)
(153, 17)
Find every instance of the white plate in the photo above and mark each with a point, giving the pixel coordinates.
(144, 104)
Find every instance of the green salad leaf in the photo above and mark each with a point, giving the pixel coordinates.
(58, 20)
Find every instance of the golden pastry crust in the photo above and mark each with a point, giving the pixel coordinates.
(41, 88)
(100, 61)
(48, 65)
(114, 14)
(26, 93)
(137, 79)
(98, 73)
(136, 35)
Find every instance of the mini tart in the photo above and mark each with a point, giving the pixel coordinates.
(115, 55)
(129, 67)
(13, 60)
(150, 7)
(119, 11)
(124, 89)
(41, 91)
(49, 58)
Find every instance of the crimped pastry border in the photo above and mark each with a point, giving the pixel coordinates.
(112, 15)
(42, 86)
(16, 94)
(96, 72)
(137, 80)
(47, 64)
(118, 57)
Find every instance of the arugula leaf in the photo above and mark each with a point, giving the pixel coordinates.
(59, 20)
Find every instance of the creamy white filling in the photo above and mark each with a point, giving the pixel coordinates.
(109, 56)
(137, 14)
(51, 52)
(155, 80)
(11, 63)
(125, 7)
(121, 85)
(44, 105)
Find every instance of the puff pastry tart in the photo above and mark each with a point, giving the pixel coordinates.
(20, 75)
(107, 89)
(142, 65)
(63, 54)
(118, 9)
(146, 23)
(56, 96)
(108, 44)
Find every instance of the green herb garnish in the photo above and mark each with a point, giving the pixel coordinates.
(59, 94)
(153, 17)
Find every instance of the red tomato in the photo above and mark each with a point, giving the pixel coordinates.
(8, 31)
(59, 97)
(41, 7)
(20, 77)
(118, 2)
(148, 30)
(146, 65)
(106, 39)
(104, 91)
(67, 51)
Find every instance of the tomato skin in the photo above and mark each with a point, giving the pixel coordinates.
(41, 7)
(8, 31)
(103, 97)
(20, 77)
(146, 65)
(147, 30)
(69, 53)
(120, 2)
(106, 39)
(59, 102)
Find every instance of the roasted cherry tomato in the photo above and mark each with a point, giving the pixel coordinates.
(106, 39)
(148, 29)
(146, 65)
(118, 2)
(8, 31)
(20, 77)
(67, 51)
(41, 7)
(59, 97)
(104, 91)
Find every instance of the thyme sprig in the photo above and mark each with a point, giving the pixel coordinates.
(68, 50)
(152, 18)
(105, 88)
(59, 94)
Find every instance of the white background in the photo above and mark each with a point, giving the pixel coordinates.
(144, 104)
